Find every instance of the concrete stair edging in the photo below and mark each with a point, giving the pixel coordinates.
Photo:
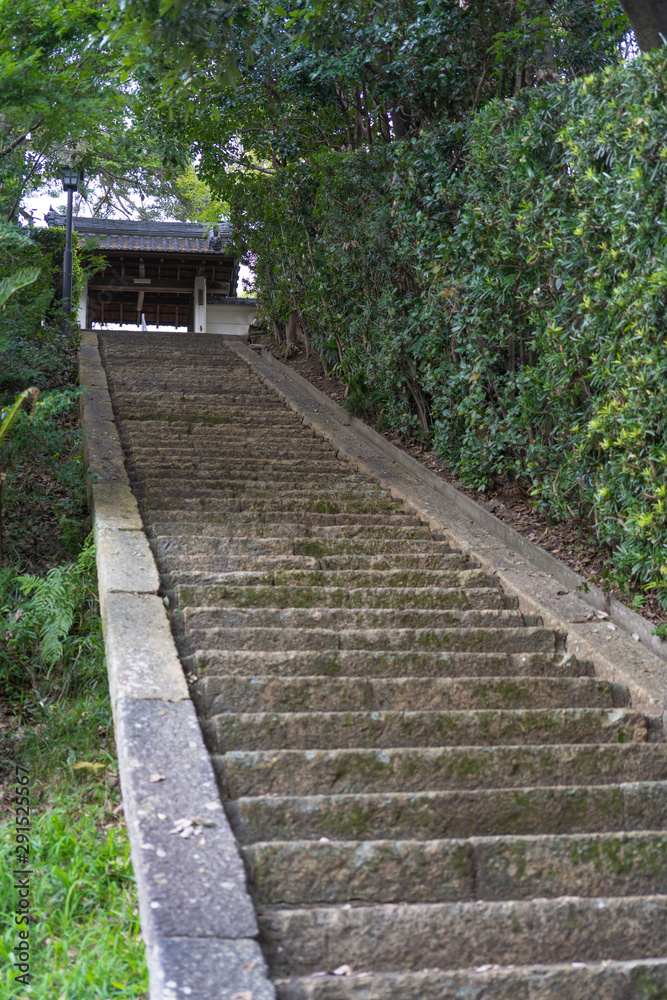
(543, 585)
(197, 918)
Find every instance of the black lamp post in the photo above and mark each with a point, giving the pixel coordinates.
(71, 177)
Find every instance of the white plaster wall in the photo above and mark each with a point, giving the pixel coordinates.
(82, 314)
(230, 321)
(200, 311)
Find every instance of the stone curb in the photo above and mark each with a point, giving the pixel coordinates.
(197, 918)
(543, 585)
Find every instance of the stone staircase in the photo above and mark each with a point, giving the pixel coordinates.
(432, 799)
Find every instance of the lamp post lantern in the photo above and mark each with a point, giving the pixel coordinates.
(71, 177)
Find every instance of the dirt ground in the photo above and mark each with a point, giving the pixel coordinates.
(571, 541)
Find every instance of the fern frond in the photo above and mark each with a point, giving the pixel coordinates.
(58, 601)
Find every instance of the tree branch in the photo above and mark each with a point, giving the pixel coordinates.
(19, 139)
(250, 166)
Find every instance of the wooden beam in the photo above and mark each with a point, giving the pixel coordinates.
(113, 284)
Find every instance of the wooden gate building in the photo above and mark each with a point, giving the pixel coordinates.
(174, 274)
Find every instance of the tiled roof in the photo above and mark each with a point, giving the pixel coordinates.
(153, 237)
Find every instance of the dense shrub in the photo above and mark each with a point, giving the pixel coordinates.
(34, 350)
(498, 288)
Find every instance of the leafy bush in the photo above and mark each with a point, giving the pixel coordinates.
(498, 289)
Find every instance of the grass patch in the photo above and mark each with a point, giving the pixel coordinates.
(84, 935)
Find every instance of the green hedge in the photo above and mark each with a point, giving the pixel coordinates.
(499, 289)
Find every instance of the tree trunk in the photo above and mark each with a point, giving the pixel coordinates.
(383, 125)
(278, 332)
(358, 120)
(295, 334)
(402, 123)
(648, 19)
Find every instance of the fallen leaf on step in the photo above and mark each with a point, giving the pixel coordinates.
(635, 636)
(188, 827)
(611, 626)
(183, 826)
(343, 970)
(157, 777)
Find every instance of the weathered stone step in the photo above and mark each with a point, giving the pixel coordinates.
(185, 521)
(368, 663)
(411, 694)
(274, 439)
(196, 619)
(188, 568)
(353, 730)
(307, 545)
(326, 501)
(183, 441)
(198, 569)
(334, 872)
(166, 399)
(513, 640)
(264, 481)
(176, 545)
(455, 935)
(357, 547)
(171, 464)
(250, 500)
(387, 579)
(212, 380)
(451, 813)
(191, 415)
(129, 389)
(320, 772)
(220, 411)
(609, 980)
(393, 581)
(338, 597)
(298, 528)
(126, 396)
